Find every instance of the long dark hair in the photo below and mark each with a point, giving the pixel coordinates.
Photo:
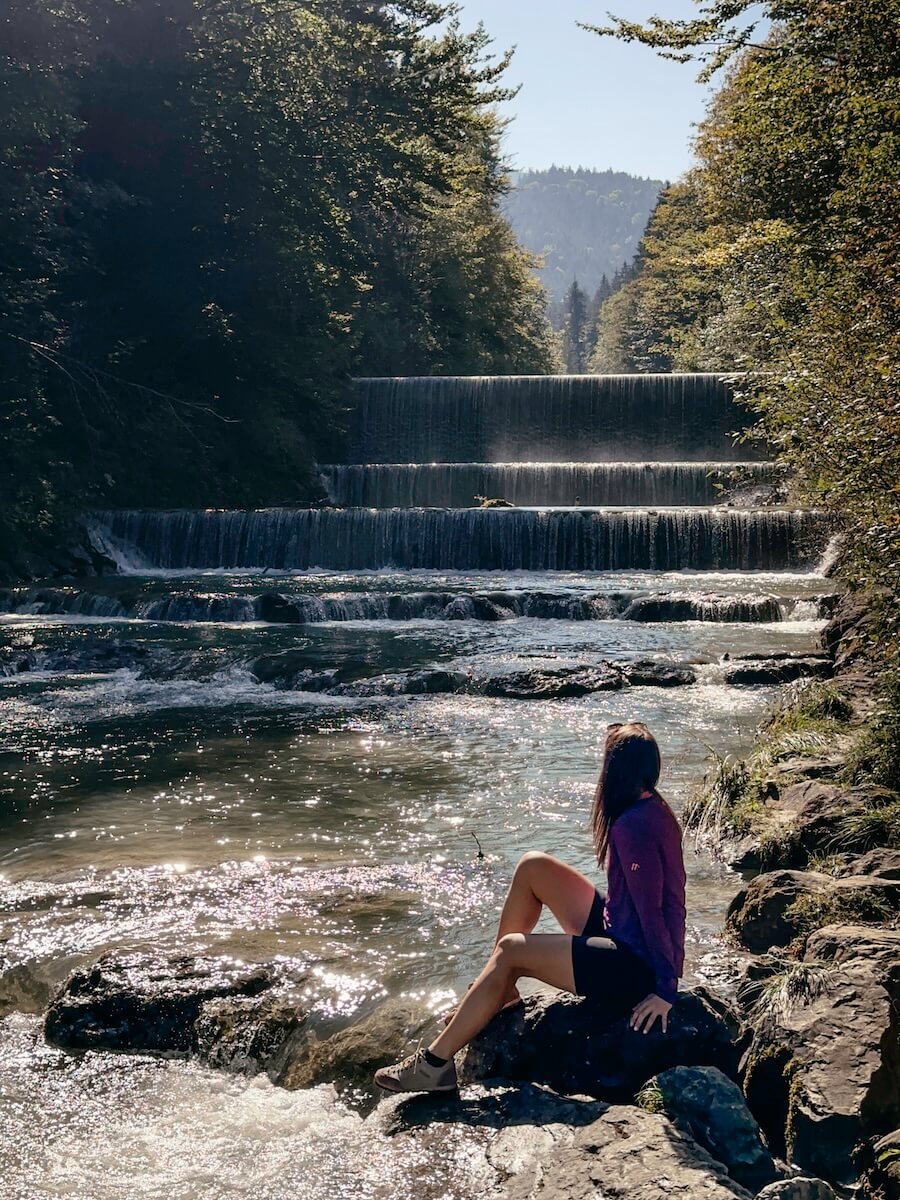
(631, 766)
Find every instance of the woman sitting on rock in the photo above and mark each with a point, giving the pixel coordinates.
(623, 951)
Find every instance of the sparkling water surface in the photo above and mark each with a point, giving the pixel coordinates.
(177, 805)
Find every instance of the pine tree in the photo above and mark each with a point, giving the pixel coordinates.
(576, 329)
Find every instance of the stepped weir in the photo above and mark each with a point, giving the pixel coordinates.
(604, 473)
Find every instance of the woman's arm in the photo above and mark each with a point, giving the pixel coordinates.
(641, 861)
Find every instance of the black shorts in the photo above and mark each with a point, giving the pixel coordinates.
(610, 974)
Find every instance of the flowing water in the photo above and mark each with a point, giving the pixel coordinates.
(201, 754)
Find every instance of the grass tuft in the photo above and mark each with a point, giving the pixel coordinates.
(798, 984)
(860, 906)
(650, 1098)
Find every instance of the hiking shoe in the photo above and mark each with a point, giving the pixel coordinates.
(414, 1074)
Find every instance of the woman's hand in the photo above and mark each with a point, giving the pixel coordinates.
(643, 1015)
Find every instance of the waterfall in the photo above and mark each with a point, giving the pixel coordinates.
(547, 418)
(598, 473)
(455, 485)
(473, 539)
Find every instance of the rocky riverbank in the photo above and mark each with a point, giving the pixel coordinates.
(809, 820)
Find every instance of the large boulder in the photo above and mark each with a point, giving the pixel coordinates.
(821, 1068)
(350, 1057)
(557, 1040)
(475, 1145)
(710, 1107)
(138, 1003)
(627, 1154)
(779, 906)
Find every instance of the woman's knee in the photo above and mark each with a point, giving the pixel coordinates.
(532, 862)
(509, 948)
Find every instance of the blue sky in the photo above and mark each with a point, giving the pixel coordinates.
(590, 101)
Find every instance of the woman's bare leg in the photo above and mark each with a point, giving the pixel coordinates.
(543, 956)
(541, 880)
(538, 880)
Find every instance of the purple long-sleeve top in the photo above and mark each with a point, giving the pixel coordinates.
(645, 903)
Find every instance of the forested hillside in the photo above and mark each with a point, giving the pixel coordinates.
(211, 215)
(586, 224)
(778, 256)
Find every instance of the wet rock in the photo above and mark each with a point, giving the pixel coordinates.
(137, 1002)
(290, 669)
(273, 607)
(475, 608)
(248, 1034)
(770, 910)
(711, 1108)
(627, 1154)
(413, 683)
(785, 671)
(351, 1057)
(559, 1041)
(800, 1187)
(822, 1072)
(647, 673)
(561, 683)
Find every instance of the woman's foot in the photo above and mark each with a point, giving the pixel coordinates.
(511, 1000)
(416, 1074)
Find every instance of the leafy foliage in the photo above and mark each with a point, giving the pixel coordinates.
(215, 212)
(777, 257)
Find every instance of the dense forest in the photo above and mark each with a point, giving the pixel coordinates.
(212, 214)
(777, 257)
(585, 224)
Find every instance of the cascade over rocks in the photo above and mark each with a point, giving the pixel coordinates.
(673, 606)
(286, 669)
(557, 1040)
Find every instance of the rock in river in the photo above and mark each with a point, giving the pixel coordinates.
(558, 1041)
(139, 1003)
